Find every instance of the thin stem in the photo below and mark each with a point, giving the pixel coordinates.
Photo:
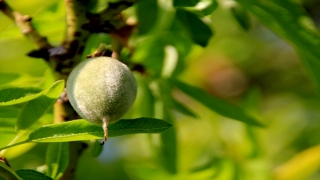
(105, 122)
(12, 145)
(24, 24)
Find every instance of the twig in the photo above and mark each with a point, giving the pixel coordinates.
(115, 8)
(102, 50)
(4, 160)
(24, 24)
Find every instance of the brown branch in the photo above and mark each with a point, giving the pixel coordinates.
(24, 24)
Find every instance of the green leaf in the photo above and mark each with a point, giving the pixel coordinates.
(183, 45)
(96, 148)
(150, 53)
(17, 79)
(169, 145)
(7, 172)
(47, 80)
(291, 22)
(144, 103)
(241, 15)
(197, 29)
(78, 130)
(28, 174)
(217, 105)
(7, 78)
(204, 7)
(36, 108)
(57, 158)
(185, 3)
(147, 13)
(15, 95)
(166, 96)
(8, 117)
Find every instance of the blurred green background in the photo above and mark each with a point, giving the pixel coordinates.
(256, 69)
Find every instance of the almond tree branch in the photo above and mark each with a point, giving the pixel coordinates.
(80, 24)
(24, 24)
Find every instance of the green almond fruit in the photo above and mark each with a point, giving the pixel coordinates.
(101, 90)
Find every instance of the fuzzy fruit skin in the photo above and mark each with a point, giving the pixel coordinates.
(101, 88)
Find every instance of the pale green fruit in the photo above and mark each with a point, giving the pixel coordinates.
(101, 90)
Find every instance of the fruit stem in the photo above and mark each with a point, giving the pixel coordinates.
(105, 129)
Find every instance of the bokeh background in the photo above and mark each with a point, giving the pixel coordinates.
(255, 69)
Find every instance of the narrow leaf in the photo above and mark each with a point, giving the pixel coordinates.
(48, 79)
(169, 145)
(197, 29)
(17, 79)
(78, 130)
(34, 109)
(8, 173)
(28, 174)
(217, 105)
(165, 92)
(8, 117)
(185, 3)
(242, 16)
(57, 158)
(15, 95)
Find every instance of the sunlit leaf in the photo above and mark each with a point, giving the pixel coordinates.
(17, 79)
(204, 7)
(16, 95)
(170, 61)
(185, 3)
(8, 116)
(217, 105)
(82, 130)
(34, 109)
(47, 80)
(197, 29)
(29, 174)
(300, 166)
(57, 158)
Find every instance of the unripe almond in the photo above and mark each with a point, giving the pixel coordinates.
(101, 90)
